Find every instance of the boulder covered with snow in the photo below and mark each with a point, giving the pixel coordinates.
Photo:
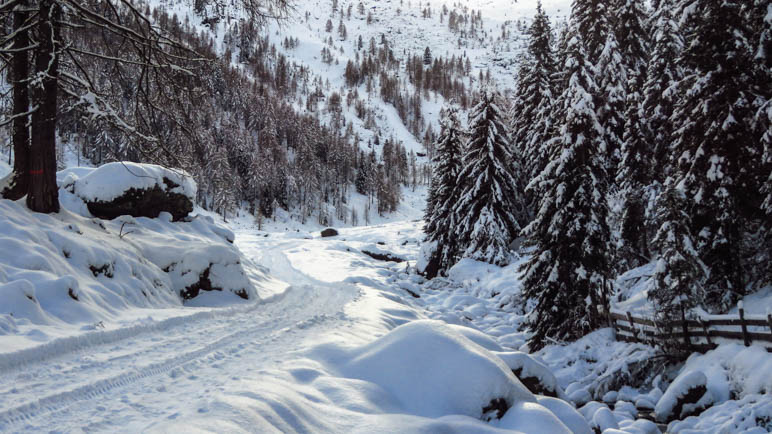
(533, 374)
(206, 261)
(329, 232)
(433, 370)
(688, 395)
(376, 252)
(139, 190)
(427, 264)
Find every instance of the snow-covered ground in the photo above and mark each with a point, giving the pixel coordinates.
(345, 346)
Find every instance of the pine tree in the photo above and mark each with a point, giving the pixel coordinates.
(718, 156)
(441, 198)
(568, 270)
(591, 18)
(676, 286)
(485, 216)
(533, 99)
(632, 186)
(762, 19)
(659, 90)
(612, 81)
(632, 39)
(635, 187)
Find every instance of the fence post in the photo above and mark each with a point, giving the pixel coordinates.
(746, 338)
(685, 327)
(705, 330)
(769, 321)
(632, 326)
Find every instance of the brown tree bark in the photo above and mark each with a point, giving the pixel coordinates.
(43, 195)
(19, 178)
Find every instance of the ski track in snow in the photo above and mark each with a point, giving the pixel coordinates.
(186, 357)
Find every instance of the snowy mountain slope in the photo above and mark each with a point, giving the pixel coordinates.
(406, 31)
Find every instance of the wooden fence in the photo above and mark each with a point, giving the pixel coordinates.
(700, 335)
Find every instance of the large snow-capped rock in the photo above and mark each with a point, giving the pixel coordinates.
(139, 190)
(687, 395)
(533, 374)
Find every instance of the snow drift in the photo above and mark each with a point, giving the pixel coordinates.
(71, 269)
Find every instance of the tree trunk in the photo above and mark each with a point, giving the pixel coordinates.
(18, 181)
(43, 194)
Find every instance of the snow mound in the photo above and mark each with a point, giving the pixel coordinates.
(66, 273)
(112, 180)
(433, 370)
(688, 394)
(566, 413)
(531, 417)
(533, 374)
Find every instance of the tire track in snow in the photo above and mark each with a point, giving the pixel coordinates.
(303, 307)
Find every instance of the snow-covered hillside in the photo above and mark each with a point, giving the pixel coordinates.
(404, 26)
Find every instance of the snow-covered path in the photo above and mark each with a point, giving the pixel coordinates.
(156, 373)
(242, 369)
(152, 376)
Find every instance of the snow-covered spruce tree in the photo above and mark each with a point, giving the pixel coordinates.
(762, 19)
(660, 90)
(634, 168)
(635, 189)
(592, 20)
(718, 153)
(632, 38)
(441, 198)
(567, 274)
(677, 284)
(765, 119)
(485, 217)
(611, 77)
(533, 99)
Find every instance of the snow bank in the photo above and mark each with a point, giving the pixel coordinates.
(733, 376)
(566, 413)
(66, 273)
(112, 180)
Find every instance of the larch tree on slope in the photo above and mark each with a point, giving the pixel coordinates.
(441, 199)
(489, 204)
(568, 271)
(718, 154)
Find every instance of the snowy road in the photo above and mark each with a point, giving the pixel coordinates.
(155, 374)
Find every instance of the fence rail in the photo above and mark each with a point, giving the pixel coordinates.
(700, 335)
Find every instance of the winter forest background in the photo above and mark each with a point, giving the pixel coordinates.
(632, 133)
